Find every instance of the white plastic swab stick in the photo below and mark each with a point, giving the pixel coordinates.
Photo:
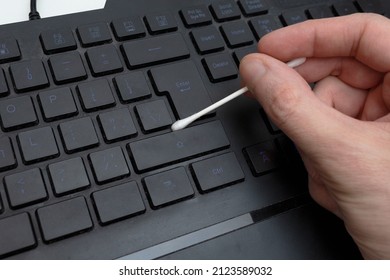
(180, 124)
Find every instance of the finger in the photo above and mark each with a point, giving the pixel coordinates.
(290, 102)
(375, 106)
(344, 98)
(352, 35)
(348, 70)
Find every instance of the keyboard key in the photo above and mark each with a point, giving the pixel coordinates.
(207, 40)
(57, 104)
(67, 67)
(132, 87)
(178, 146)
(58, 40)
(155, 50)
(370, 6)
(29, 75)
(196, 16)
(9, 50)
(64, 219)
(25, 188)
(168, 187)
(224, 10)
(344, 8)
(7, 154)
(104, 60)
(17, 112)
(183, 84)
(38, 145)
(3, 84)
(78, 135)
(253, 7)
(291, 17)
(117, 125)
(160, 23)
(239, 54)
(217, 172)
(16, 234)
(128, 28)
(318, 12)
(68, 176)
(95, 95)
(263, 157)
(118, 202)
(220, 67)
(94, 34)
(237, 34)
(263, 25)
(109, 165)
(153, 115)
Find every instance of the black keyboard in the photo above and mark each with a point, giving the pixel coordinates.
(89, 166)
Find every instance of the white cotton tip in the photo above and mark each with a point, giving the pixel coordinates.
(180, 124)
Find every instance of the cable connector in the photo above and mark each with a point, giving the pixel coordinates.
(34, 13)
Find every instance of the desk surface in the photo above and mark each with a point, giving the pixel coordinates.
(18, 10)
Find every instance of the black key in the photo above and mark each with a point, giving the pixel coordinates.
(207, 40)
(344, 8)
(168, 187)
(95, 95)
(57, 104)
(109, 165)
(17, 113)
(25, 188)
(294, 16)
(94, 34)
(237, 34)
(67, 67)
(224, 10)
(104, 60)
(371, 6)
(155, 50)
(128, 28)
(118, 202)
(64, 219)
(318, 12)
(241, 53)
(288, 149)
(273, 129)
(7, 154)
(263, 25)
(3, 84)
(153, 115)
(263, 157)
(253, 7)
(178, 146)
(220, 67)
(28, 75)
(58, 40)
(16, 234)
(68, 176)
(160, 23)
(38, 144)
(78, 134)
(117, 125)
(184, 85)
(9, 49)
(132, 87)
(217, 172)
(196, 16)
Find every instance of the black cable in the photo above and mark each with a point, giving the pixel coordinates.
(33, 10)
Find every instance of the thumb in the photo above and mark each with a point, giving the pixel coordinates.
(290, 103)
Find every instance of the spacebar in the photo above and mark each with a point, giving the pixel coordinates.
(178, 146)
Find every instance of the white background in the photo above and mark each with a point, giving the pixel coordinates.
(18, 10)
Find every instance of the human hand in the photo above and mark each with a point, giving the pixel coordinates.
(341, 127)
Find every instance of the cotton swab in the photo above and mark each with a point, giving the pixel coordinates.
(180, 124)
